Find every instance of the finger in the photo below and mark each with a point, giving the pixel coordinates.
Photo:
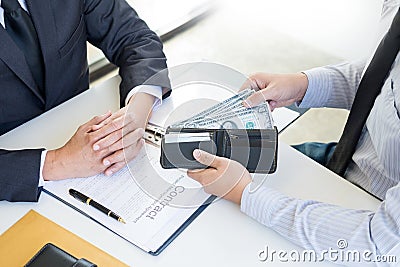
(123, 155)
(100, 118)
(132, 151)
(107, 129)
(206, 158)
(129, 134)
(114, 139)
(117, 156)
(114, 168)
(117, 120)
(249, 83)
(256, 98)
(96, 127)
(273, 104)
(132, 137)
(95, 120)
(128, 140)
(120, 113)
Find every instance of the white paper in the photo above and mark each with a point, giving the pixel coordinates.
(283, 117)
(150, 222)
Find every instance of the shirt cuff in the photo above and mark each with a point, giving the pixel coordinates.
(318, 90)
(42, 159)
(153, 90)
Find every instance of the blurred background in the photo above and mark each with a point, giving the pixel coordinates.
(262, 36)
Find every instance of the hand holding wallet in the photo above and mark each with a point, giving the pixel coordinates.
(256, 149)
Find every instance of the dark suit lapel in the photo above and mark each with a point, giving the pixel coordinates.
(43, 19)
(11, 55)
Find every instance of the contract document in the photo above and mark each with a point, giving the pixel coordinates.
(156, 204)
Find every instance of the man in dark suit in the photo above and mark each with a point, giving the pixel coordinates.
(62, 30)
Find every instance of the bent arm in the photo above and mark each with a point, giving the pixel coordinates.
(126, 40)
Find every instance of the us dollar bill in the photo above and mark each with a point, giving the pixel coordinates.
(236, 99)
(231, 114)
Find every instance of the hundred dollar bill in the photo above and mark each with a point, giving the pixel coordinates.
(230, 109)
(236, 99)
(221, 107)
(228, 112)
(232, 114)
(254, 118)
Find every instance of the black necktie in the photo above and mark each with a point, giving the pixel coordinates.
(369, 88)
(19, 26)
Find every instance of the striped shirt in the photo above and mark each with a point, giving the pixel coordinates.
(375, 167)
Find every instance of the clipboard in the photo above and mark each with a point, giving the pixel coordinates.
(157, 252)
(153, 136)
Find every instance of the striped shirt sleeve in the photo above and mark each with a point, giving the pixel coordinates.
(333, 86)
(318, 226)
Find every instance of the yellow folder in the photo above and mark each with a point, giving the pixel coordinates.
(24, 239)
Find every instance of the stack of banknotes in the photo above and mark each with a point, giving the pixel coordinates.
(231, 114)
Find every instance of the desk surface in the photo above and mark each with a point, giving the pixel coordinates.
(220, 236)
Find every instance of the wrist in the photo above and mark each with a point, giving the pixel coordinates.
(237, 192)
(302, 81)
(53, 168)
(142, 99)
(141, 104)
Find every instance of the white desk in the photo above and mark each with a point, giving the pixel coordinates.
(220, 236)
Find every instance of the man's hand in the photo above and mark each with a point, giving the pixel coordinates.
(104, 144)
(225, 178)
(120, 135)
(76, 158)
(278, 89)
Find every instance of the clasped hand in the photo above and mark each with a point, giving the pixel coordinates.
(102, 145)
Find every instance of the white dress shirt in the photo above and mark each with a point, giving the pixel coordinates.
(21, 2)
(153, 90)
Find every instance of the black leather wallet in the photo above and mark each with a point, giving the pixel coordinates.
(256, 149)
(51, 255)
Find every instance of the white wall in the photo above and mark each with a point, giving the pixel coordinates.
(343, 28)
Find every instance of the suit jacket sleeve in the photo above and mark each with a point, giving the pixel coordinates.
(125, 39)
(20, 175)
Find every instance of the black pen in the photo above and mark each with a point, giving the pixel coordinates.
(85, 199)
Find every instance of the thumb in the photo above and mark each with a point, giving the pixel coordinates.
(205, 158)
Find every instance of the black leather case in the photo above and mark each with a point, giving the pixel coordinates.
(254, 148)
(51, 255)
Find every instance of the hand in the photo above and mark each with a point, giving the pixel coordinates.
(120, 136)
(226, 178)
(104, 144)
(278, 89)
(76, 158)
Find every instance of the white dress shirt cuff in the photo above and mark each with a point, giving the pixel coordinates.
(153, 90)
(42, 159)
